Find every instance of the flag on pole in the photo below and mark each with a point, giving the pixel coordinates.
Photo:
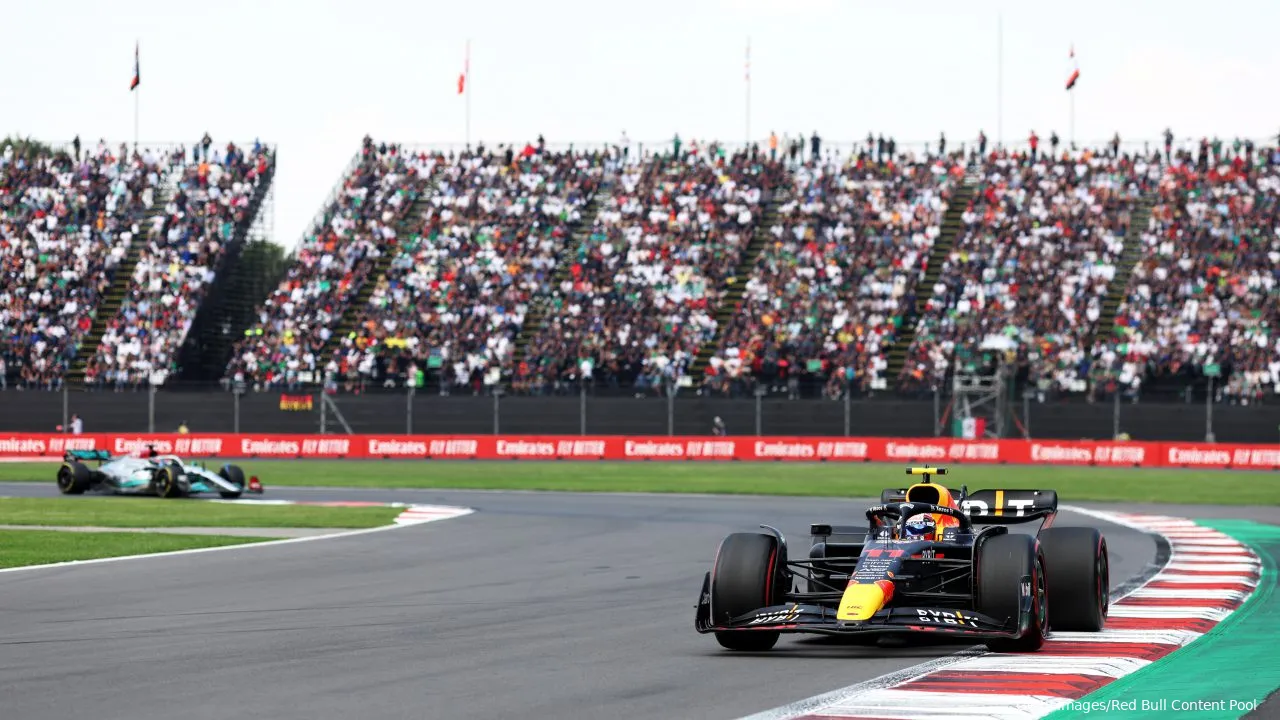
(1075, 69)
(137, 72)
(969, 428)
(748, 66)
(466, 70)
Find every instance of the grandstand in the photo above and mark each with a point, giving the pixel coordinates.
(716, 268)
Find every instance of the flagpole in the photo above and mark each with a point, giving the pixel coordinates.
(136, 101)
(748, 114)
(1000, 80)
(1071, 128)
(467, 80)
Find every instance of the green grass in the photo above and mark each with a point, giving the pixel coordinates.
(156, 512)
(765, 478)
(37, 547)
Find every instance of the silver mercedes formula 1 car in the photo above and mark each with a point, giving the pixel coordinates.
(151, 474)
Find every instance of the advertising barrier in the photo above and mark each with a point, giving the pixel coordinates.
(35, 446)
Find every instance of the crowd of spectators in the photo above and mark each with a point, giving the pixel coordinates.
(284, 346)
(1039, 245)
(1205, 291)
(456, 294)
(644, 285)
(66, 222)
(209, 202)
(829, 291)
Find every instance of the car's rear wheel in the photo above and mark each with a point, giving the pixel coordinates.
(748, 575)
(166, 481)
(234, 475)
(74, 478)
(1003, 563)
(1079, 576)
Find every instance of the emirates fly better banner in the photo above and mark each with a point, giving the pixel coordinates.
(36, 446)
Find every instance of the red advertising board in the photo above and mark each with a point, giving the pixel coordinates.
(14, 446)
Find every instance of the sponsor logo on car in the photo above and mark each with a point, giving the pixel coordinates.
(945, 617)
(779, 616)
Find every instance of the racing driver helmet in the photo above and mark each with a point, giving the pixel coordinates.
(919, 527)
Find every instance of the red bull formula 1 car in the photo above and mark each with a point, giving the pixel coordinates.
(926, 562)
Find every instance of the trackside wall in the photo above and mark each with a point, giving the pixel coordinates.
(16, 446)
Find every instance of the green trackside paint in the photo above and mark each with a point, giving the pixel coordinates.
(1233, 661)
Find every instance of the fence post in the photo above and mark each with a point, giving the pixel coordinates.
(1115, 417)
(848, 407)
(582, 407)
(760, 391)
(671, 407)
(324, 414)
(151, 407)
(937, 412)
(1026, 413)
(235, 405)
(408, 411)
(1208, 414)
(66, 407)
(497, 410)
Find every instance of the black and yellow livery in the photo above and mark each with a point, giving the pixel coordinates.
(970, 577)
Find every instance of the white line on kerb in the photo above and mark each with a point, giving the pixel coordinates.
(242, 546)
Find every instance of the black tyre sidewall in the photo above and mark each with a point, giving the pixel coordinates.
(1078, 572)
(77, 476)
(1004, 561)
(167, 481)
(747, 576)
(234, 475)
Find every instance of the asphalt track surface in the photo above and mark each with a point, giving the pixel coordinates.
(538, 605)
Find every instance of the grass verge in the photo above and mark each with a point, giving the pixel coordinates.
(155, 512)
(38, 547)
(813, 479)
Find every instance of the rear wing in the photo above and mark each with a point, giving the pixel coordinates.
(999, 507)
(102, 455)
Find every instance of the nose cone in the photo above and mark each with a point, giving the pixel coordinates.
(862, 600)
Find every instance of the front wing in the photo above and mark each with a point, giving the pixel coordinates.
(797, 618)
(820, 620)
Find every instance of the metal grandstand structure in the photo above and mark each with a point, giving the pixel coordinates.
(983, 392)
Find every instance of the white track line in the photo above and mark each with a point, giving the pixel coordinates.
(458, 512)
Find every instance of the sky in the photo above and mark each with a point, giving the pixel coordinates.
(313, 78)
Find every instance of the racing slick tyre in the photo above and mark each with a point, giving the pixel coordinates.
(234, 475)
(1002, 562)
(1079, 577)
(747, 576)
(166, 481)
(74, 478)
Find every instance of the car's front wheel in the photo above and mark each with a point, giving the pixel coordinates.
(747, 576)
(234, 475)
(1010, 569)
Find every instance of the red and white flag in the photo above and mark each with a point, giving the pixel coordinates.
(137, 72)
(466, 70)
(1075, 69)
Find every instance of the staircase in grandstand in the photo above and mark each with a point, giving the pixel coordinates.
(536, 315)
(952, 226)
(1124, 268)
(408, 224)
(736, 285)
(114, 297)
